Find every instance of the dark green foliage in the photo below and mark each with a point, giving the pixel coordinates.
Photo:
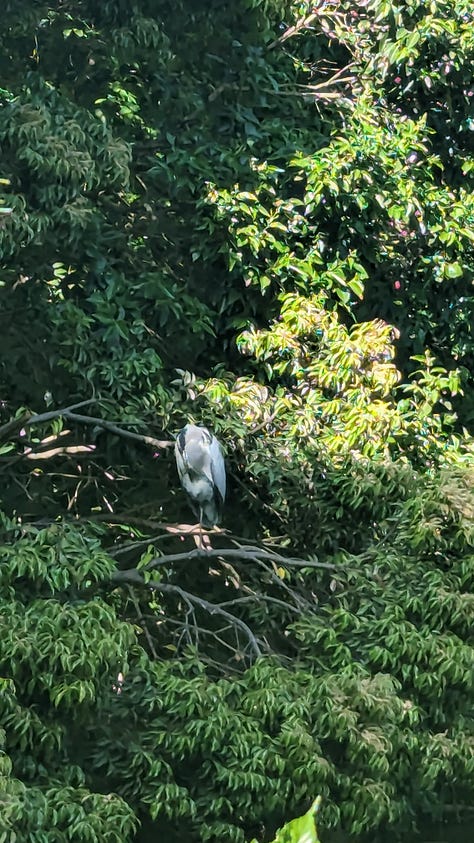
(209, 215)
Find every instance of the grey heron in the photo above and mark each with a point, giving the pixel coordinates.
(201, 471)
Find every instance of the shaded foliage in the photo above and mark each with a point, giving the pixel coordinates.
(257, 217)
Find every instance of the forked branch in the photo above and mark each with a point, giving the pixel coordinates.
(135, 577)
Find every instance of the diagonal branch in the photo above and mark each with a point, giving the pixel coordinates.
(261, 598)
(135, 577)
(301, 601)
(302, 23)
(27, 418)
(142, 621)
(119, 431)
(69, 413)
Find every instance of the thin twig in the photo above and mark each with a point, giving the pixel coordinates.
(127, 548)
(141, 620)
(111, 518)
(319, 89)
(303, 23)
(265, 423)
(301, 601)
(256, 598)
(135, 577)
(129, 520)
(202, 629)
(255, 497)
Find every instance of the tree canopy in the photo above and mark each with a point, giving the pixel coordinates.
(256, 216)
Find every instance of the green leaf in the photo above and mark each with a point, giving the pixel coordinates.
(453, 270)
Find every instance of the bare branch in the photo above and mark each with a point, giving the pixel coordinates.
(119, 431)
(171, 530)
(243, 553)
(142, 621)
(28, 420)
(265, 423)
(320, 90)
(131, 546)
(265, 598)
(39, 418)
(13, 425)
(135, 577)
(303, 23)
(256, 498)
(301, 601)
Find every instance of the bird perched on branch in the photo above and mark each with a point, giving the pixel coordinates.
(201, 471)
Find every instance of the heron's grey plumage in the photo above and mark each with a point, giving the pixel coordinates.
(201, 470)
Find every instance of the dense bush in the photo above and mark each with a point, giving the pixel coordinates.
(257, 216)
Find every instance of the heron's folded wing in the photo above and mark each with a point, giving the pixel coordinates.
(217, 467)
(180, 459)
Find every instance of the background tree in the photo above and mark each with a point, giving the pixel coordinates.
(255, 216)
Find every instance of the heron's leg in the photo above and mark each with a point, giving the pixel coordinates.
(206, 542)
(203, 541)
(200, 528)
(197, 536)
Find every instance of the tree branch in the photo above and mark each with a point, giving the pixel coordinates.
(113, 428)
(13, 425)
(27, 418)
(265, 598)
(244, 553)
(68, 413)
(303, 23)
(142, 621)
(256, 498)
(301, 601)
(135, 577)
